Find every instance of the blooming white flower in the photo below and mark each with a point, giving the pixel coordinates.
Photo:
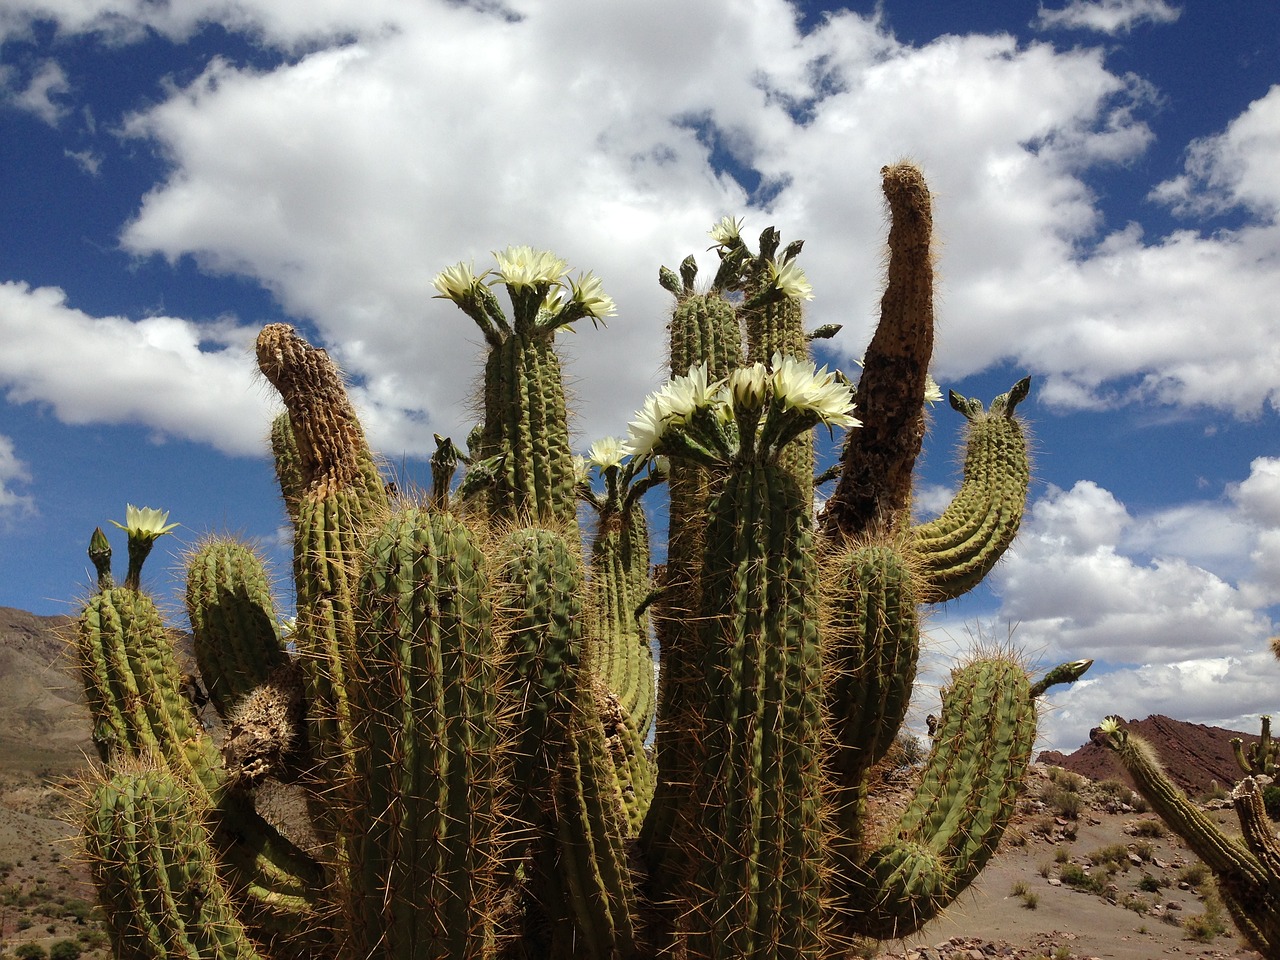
(581, 470)
(589, 292)
(145, 523)
(644, 432)
(727, 231)
(790, 280)
(455, 283)
(932, 392)
(681, 397)
(606, 452)
(1109, 725)
(748, 386)
(522, 266)
(801, 386)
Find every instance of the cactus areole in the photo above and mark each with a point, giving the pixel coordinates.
(485, 762)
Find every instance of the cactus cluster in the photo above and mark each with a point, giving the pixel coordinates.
(465, 709)
(1247, 867)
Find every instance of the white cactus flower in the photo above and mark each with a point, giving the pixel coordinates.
(145, 523)
(748, 386)
(1109, 726)
(455, 283)
(790, 280)
(683, 396)
(727, 231)
(801, 386)
(589, 292)
(644, 432)
(522, 266)
(606, 452)
(932, 392)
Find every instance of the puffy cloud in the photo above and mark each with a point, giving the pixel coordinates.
(48, 81)
(1235, 168)
(1107, 16)
(181, 379)
(13, 474)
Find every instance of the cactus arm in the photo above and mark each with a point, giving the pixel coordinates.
(955, 820)
(1261, 756)
(153, 863)
(959, 548)
(284, 452)
(871, 642)
(233, 621)
(1248, 870)
(874, 488)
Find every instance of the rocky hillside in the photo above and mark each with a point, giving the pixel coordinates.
(1196, 756)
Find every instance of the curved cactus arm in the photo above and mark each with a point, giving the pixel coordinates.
(154, 868)
(423, 807)
(284, 452)
(233, 620)
(955, 820)
(1248, 871)
(875, 481)
(959, 548)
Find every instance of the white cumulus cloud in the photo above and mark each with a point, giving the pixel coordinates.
(14, 474)
(1107, 16)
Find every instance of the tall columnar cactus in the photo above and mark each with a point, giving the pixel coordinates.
(1247, 867)
(467, 707)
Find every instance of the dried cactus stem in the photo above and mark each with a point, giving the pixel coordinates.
(874, 489)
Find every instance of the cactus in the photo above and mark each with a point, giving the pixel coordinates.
(465, 701)
(1247, 867)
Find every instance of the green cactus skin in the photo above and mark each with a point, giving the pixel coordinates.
(526, 423)
(424, 801)
(958, 549)
(481, 785)
(1261, 756)
(1247, 869)
(758, 865)
(966, 796)
(871, 637)
(233, 621)
(284, 451)
(152, 862)
(134, 691)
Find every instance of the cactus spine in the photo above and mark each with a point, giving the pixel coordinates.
(477, 697)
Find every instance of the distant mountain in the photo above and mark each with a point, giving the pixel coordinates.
(40, 699)
(1195, 755)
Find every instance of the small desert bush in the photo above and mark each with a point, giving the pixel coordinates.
(1073, 875)
(1194, 874)
(1065, 802)
(1149, 828)
(1150, 884)
(1114, 853)
(1144, 849)
(1114, 790)
(1066, 779)
(1061, 854)
(1271, 800)
(1205, 927)
(1137, 904)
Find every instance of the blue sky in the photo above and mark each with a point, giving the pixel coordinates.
(1106, 179)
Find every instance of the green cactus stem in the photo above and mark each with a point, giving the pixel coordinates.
(233, 620)
(341, 494)
(284, 452)
(874, 489)
(1247, 869)
(1261, 755)
(959, 548)
(758, 865)
(967, 794)
(153, 864)
(100, 555)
